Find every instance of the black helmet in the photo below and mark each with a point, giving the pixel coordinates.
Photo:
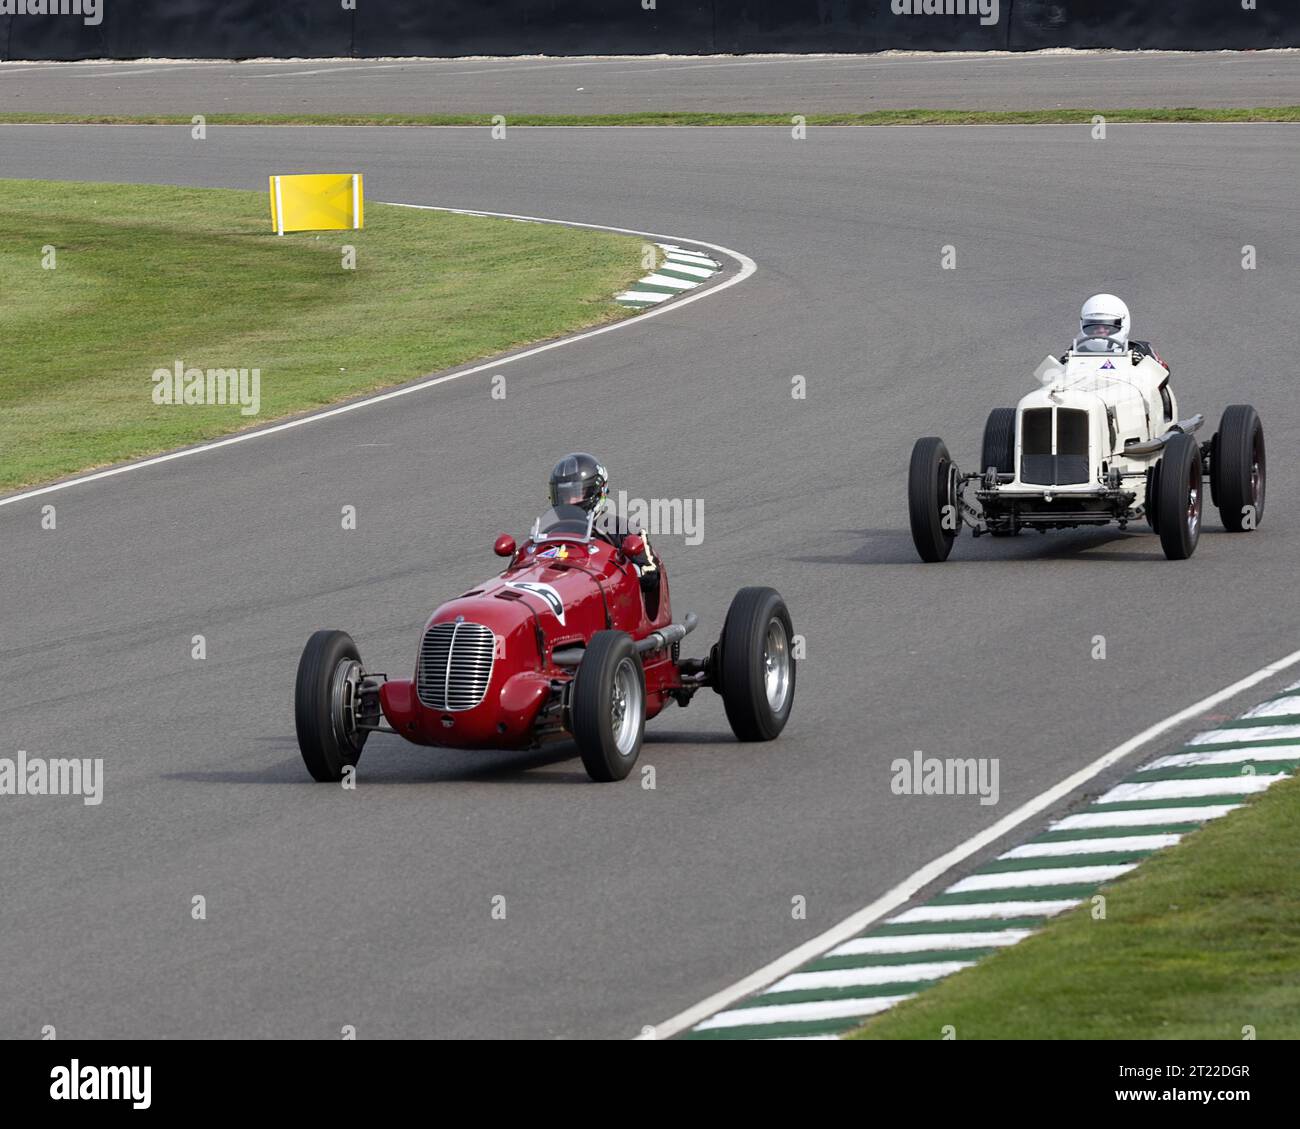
(579, 480)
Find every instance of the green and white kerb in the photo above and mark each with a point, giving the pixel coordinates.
(1010, 897)
(682, 270)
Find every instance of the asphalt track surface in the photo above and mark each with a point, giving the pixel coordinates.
(625, 905)
(774, 84)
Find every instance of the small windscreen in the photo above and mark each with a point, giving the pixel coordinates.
(1096, 345)
(567, 523)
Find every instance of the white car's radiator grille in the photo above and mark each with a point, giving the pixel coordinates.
(455, 665)
(1060, 463)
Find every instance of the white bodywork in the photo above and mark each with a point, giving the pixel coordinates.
(1099, 443)
(1074, 442)
(1122, 399)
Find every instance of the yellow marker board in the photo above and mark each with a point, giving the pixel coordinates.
(317, 202)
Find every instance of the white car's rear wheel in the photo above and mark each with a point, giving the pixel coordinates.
(1237, 468)
(999, 446)
(998, 451)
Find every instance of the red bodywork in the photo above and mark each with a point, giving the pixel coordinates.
(523, 703)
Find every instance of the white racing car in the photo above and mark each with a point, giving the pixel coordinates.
(1099, 442)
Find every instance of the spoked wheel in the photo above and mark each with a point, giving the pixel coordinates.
(757, 665)
(1237, 469)
(327, 705)
(607, 707)
(1180, 498)
(932, 504)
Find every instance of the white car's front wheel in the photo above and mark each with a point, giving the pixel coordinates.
(932, 504)
(1179, 497)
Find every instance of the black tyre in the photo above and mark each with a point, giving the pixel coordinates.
(1179, 497)
(931, 507)
(999, 447)
(1237, 469)
(1214, 474)
(326, 705)
(757, 665)
(607, 707)
(999, 450)
(1153, 496)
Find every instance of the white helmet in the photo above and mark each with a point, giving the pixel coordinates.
(1105, 316)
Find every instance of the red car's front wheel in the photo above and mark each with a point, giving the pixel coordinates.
(327, 705)
(607, 706)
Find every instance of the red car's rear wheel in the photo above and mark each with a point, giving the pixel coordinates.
(757, 666)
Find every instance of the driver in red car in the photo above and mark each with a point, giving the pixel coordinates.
(580, 480)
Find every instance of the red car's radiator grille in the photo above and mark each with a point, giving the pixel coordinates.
(455, 665)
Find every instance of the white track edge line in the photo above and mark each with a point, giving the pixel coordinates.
(747, 268)
(854, 924)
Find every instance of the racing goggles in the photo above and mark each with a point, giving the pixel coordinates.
(1100, 327)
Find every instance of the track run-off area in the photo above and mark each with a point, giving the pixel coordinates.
(628, 905)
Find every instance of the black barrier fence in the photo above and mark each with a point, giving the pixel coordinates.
(242, 29)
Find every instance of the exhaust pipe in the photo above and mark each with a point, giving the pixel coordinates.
(1158, 444)
(673, 633)
(655, 641)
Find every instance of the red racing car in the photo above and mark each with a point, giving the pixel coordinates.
(563, 644)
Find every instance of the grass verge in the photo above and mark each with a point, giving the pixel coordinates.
(874, 117)
(145, 276)
(1200, 942)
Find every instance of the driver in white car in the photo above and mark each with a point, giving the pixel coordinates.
(1104, 324)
